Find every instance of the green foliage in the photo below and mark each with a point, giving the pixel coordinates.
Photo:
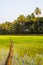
(24, 25)
(37, 11)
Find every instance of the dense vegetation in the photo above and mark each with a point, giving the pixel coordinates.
(31, 24)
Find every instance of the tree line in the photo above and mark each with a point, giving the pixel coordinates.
(30, 24)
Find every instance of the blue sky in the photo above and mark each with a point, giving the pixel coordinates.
(11, 9)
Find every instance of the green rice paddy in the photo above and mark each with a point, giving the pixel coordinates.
(27, 49)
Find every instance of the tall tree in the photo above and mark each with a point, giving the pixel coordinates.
(21, 18)
(37, 11)
(28, 18)
(33, 17)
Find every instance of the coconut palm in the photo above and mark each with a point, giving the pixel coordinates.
(37, 11)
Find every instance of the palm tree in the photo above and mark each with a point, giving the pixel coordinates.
(37, 11)
(33, 17)
(28, 18)
(21, 18)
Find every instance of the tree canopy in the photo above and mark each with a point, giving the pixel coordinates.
(29, 24)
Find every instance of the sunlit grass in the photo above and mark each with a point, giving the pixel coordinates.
(28, 50)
